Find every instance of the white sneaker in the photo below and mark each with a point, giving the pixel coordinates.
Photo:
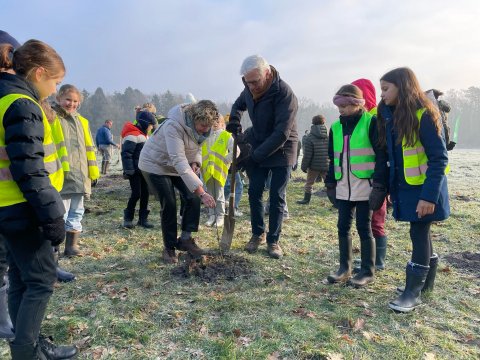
(220, 221)
(210, 221)
(237, 213)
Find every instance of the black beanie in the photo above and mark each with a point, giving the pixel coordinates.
(145, 118)
(6, 38)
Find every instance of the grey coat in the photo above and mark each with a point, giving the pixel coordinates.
(315, 149)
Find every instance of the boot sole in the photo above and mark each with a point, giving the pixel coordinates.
(401, 309)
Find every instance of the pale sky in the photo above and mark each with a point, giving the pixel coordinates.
(198, 46)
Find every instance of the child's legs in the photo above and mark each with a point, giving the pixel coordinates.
(216, 190)
(363, 221)
(346, 210)
(421, 242)
(378, 221)
(311, 177)
(135, 186)
(74, 212)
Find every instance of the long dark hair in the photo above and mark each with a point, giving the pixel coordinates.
(410, 99)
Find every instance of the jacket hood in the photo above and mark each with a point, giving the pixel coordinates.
(368, 92)
(130, 129)
(319, 131)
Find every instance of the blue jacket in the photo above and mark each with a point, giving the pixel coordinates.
(274, 134)
(104, 136)
(405, 197)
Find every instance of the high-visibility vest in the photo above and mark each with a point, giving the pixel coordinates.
(10, 193)
(59, 141)
(362, 156)
(415, 160)
(373, 111)
(214, 162)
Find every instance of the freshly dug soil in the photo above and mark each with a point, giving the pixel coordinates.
(214, 267)
(465, 261)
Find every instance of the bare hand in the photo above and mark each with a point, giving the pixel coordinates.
(424, 208)
(195, 168)
(208, 200)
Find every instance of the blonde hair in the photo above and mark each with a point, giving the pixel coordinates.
(68, 88)
(204, 112)
(149, 107)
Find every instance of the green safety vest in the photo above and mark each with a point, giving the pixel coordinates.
(59, 141)
(214, 162)
(415, 160)
(10, 193)
(362, 156)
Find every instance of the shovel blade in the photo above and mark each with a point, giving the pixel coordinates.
(227, 234)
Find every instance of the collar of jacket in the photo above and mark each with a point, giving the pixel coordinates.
(62, 112)
(16, 84)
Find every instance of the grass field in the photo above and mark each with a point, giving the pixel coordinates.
(126, 304)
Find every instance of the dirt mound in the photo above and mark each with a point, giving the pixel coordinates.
(214, 267)
(465, 261)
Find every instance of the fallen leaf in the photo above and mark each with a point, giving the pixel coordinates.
(274, 356)
(346, 338)
(334, 356)
(429, 356)
(237, 332)
(446, 269)
(368, 312)
(203, 330)
(359, 325)
(244, 341)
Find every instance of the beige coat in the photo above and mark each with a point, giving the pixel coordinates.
(171, 149)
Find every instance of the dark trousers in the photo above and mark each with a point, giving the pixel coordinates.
(32, 274)
(163, 187)
(139, 192)
(363, 217)
(422, 248)
(257, 178)
(3, 260)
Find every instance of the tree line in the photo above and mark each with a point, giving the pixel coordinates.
(120, 107)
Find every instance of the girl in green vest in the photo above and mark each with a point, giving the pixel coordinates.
(353, 151)
(411, 130)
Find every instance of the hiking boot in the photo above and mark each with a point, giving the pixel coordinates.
(190, 246)
(255, 242)
(274, 250)
(52, 351)
(169, 256)
(71, 244)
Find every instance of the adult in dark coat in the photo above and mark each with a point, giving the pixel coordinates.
(272, 107)
(315, 155)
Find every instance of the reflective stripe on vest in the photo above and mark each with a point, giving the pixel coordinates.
(362, 156)
(93, 172)
(10, 193)
(415, 160)
(59, 140)
(214, 162)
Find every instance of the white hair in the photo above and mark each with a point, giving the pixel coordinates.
(254, 62)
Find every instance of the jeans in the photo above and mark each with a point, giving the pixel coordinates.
(32, 273)
(3, 260)
(278, 186)
(139, 192)
(74, 211)
(238, 188)
(163, 187)
(346, 212)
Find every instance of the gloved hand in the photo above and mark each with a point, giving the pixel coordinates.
(377, 196)
(94, 182)
(54, 231)
(234, 128)
(332, 193)
(128, 174)
(294, 167)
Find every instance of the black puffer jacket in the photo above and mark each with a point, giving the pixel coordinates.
(274, 134)
(24, 133)
(315, 149)
(133, 140)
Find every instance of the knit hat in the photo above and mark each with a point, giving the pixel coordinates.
(368, 92)
(6, 38)
(144, 119)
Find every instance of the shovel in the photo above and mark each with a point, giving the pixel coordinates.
(229, 223)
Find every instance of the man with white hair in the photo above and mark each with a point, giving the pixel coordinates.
(272, 107)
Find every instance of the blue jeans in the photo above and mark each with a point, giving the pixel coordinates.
(278, 186)
(74, 211)
(238, 188)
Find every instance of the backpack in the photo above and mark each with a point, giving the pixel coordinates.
(444, 108)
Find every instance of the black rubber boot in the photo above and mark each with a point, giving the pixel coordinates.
(71, 244)
(306, 199)
(128, 218)
(345, 270)
(54, 352)
(380, 252)
(367, 268)
(415, 280)
(143, 219)
(430, 280)
(62, 275)
(26, 352)
(5, 322)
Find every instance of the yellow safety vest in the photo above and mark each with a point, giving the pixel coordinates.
(214, 162)
(10, 193)
(59, 140)
(362, 156)
(415, 160)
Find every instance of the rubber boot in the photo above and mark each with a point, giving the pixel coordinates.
(128, 218)
(381, 252)
(62, 275)
(415, 280)
(345, 270)
(71, 243)
(5, 322)
(107, 163)
(143, 219)
(102, 171)
(430, 280)
(26, 352)
(52, 351)
(367, 268)
(306, 199)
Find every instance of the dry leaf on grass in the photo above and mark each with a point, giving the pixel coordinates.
(334, 356)
(429, 356)
(274, 356)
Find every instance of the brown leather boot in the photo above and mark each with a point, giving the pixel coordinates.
(255, 242)
(169, 256)
(71, 244)
(274, 250)
(190, 246)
